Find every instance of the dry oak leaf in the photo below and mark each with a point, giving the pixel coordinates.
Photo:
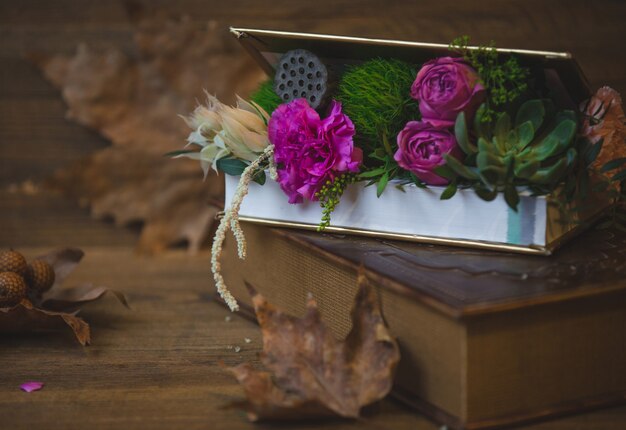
(57, 307)
(26, 317)
(134, 99)
(170, 199)
(310, 373)
(67, 299)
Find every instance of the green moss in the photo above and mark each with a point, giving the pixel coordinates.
(376, 97)
(265, 97)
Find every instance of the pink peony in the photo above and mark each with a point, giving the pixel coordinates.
(310, 151)
(421, 147)
(445, 87)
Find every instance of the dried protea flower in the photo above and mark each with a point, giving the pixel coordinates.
(604, 119)
(221, 131)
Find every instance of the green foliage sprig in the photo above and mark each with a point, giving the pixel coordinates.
(235, 167)
(571, 194)
(330, 195)
(265, 97)
(376, 96)
(505, 80)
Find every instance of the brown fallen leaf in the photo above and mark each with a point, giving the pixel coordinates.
(135, 100)
(310, 373)
(67, 299)
(25, 317)
(57, 307)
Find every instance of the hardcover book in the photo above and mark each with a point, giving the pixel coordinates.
(487, 339)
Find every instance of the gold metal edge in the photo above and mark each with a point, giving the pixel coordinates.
(239, 32)
(578, 229)
(432, 240)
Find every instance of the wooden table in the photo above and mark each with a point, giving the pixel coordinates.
(157, 365)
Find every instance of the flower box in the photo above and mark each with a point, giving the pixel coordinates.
(443, 144)
(418, 214)
(412, 213)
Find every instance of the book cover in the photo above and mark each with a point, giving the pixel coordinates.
(487, 339)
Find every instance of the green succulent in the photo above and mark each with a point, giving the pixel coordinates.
(536, 150)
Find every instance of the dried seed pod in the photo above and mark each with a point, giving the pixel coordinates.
(301, 74)
(12, 261)
(39, 276)
(12, 289)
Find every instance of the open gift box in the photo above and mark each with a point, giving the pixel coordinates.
(538, 225)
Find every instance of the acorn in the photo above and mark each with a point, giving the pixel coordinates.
(39, 276)
(12, 261)
(12, 289)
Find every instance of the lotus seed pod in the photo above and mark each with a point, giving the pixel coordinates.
(12, 261)
(301, 74)
(12, 289)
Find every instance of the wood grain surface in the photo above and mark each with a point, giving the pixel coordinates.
(157, 365)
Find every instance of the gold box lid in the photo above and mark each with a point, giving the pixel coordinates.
(267, 46)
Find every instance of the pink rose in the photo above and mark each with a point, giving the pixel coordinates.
(445, 87)
(310, 151)
(421, 147)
